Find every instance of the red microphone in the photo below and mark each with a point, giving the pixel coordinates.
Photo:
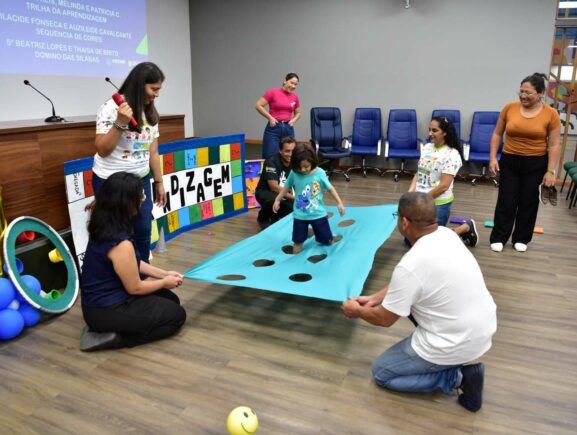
(119, 99)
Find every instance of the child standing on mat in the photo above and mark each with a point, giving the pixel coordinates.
(308, 181)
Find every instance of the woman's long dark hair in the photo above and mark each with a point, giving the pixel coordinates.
(116, 203)
(133, 90)
(451, 138)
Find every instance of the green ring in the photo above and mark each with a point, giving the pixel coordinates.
(27, 223)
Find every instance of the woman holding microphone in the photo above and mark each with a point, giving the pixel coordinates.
(127, 141)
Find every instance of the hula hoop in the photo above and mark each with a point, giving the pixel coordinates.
(27, 223)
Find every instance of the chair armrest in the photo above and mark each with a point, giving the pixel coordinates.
(420, 144)
(379, 146)
(466, 150)
(386, 149)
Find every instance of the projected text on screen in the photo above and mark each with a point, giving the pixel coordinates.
(79, 38)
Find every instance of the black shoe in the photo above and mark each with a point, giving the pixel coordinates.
(472, 387)
(471, 237)
(91, 341)
(544, 194)
(262, 218)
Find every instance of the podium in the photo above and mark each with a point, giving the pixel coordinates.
(32, 156)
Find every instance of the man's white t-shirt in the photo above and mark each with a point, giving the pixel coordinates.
(131, 153)
(440, 283)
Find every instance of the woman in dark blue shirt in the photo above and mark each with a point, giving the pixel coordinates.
(120, 308)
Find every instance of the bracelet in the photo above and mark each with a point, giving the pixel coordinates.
(157, 182)
(120, 127)
(552, 171)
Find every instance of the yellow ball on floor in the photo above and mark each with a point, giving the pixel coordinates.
(241, 421)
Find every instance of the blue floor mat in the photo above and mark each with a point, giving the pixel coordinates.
(333, 272)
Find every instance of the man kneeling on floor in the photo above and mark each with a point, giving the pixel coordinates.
(274, 175)
(440, 284)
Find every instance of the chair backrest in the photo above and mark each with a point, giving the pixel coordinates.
(402, 129)
(367, 128)
(481, 130)
(326, 127)
(453, 115)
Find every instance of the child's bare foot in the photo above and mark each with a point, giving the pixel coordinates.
(297, 248)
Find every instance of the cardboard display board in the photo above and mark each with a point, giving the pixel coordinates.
(204, 181)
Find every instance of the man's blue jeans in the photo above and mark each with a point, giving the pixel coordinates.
(272, 136)
(399, 368)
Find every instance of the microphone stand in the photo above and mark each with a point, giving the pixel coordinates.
(110, 81)
(54, 117)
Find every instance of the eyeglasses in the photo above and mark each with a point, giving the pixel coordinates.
(396, 215)
(525, 93)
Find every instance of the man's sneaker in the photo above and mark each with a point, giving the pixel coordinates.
(91, 341)
(471, 236)
(472, 387)
(553, 195)
(496, 247)
(543, 194)
(261, 218)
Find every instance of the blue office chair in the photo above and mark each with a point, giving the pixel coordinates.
(477, 149)
(327, 134)
(366, 139)
(453, 115)
(402, 141)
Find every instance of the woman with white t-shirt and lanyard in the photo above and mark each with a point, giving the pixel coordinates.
(439, 163)
(284, 111)
(119, 148)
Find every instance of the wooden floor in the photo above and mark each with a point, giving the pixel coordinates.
(297, 361)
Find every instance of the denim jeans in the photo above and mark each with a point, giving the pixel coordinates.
(142, 222)
(443, 213)
(399, 368)
(272, 136)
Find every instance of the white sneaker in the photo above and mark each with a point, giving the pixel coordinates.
(496, 247)
(520, 247)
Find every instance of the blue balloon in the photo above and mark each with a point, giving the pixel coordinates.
(32, 283)
(30, 314)
(11, 324)
(19, 266)
(7, 292)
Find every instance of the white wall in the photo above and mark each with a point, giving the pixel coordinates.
(450, 54)
(169, 47)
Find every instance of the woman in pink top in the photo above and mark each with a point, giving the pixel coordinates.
(283, 112)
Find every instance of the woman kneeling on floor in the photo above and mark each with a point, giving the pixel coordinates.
(121, 309)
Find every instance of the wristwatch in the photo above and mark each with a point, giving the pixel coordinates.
(554, 172)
